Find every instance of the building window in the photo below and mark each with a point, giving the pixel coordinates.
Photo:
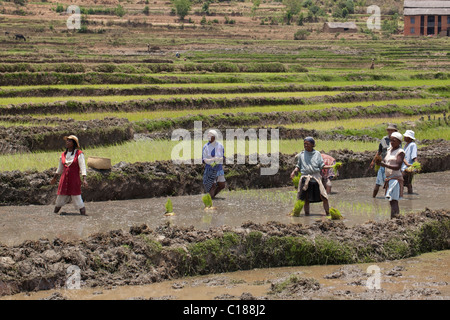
(412, 30)
(448, 19)
(413, 20)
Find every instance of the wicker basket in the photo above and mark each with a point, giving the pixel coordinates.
(99, 163)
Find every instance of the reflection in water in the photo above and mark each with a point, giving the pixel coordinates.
(353, 197)
(422, 277)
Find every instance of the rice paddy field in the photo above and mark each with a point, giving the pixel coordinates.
(136, 81)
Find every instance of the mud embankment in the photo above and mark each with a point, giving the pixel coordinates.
(142, 255)
(176, 103)
(164, 178)
(149, 90)
(45, 138)
(243, 120)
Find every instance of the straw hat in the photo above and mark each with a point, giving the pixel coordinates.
(409, 134)
(397, 135)
(74, 138)
(392, 126)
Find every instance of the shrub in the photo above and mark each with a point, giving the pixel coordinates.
(301, 35)
(59, 8)
(182, 8)
(119, 11)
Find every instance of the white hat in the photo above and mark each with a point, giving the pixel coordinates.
(397, 135)
(213, 132)
(409, 134)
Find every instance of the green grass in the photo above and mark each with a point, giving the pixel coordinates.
(390, 83)
(157, 150)
(152, 115)
(23, 124)
(355, 123)
(36, 100)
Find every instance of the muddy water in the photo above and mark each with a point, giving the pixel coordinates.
(413, 278)
(353, 197)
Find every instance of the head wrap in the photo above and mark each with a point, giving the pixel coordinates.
(310, 140)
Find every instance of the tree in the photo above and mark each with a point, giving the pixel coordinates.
(182, 8)
(292, 8)
(119, 11)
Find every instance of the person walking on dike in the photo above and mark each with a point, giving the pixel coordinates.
(382, 150)
(310, 188)
(71, 164)
(392, 163)
(410, 158)
(328, 174)
(213, 155)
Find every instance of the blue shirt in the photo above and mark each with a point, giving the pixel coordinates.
(310, 162)
(410, 154)
(212, 150)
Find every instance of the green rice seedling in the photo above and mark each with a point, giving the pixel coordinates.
(297, 208)
(336, 167)
(416, 167)
(207, 201)
(169, 208)
(296, 180)
(335, 214)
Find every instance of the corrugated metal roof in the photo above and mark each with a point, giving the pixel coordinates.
(350, 25)
(431, 11)
(426, 4)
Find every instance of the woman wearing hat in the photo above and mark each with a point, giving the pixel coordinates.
(213, 155)
(410, 158)
(392, 163)
(310, 164)
(382, 150)
(71, 164)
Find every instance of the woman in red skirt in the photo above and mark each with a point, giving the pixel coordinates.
(71, 164)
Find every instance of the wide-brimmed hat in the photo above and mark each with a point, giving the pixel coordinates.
(397, 135)
(409, 134)
(392, 126)
(74, 138)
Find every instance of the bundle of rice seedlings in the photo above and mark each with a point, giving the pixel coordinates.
(207, 200)
(336, 167)
(296, 180)
(297, 208)
(169, 208)
(416, 167)
(335, 214)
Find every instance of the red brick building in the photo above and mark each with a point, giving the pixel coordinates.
(424, 18)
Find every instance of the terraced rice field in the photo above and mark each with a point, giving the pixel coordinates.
(324, 89)
(119, 86)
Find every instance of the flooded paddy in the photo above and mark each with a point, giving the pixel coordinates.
(353, 197)
(418, 278)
